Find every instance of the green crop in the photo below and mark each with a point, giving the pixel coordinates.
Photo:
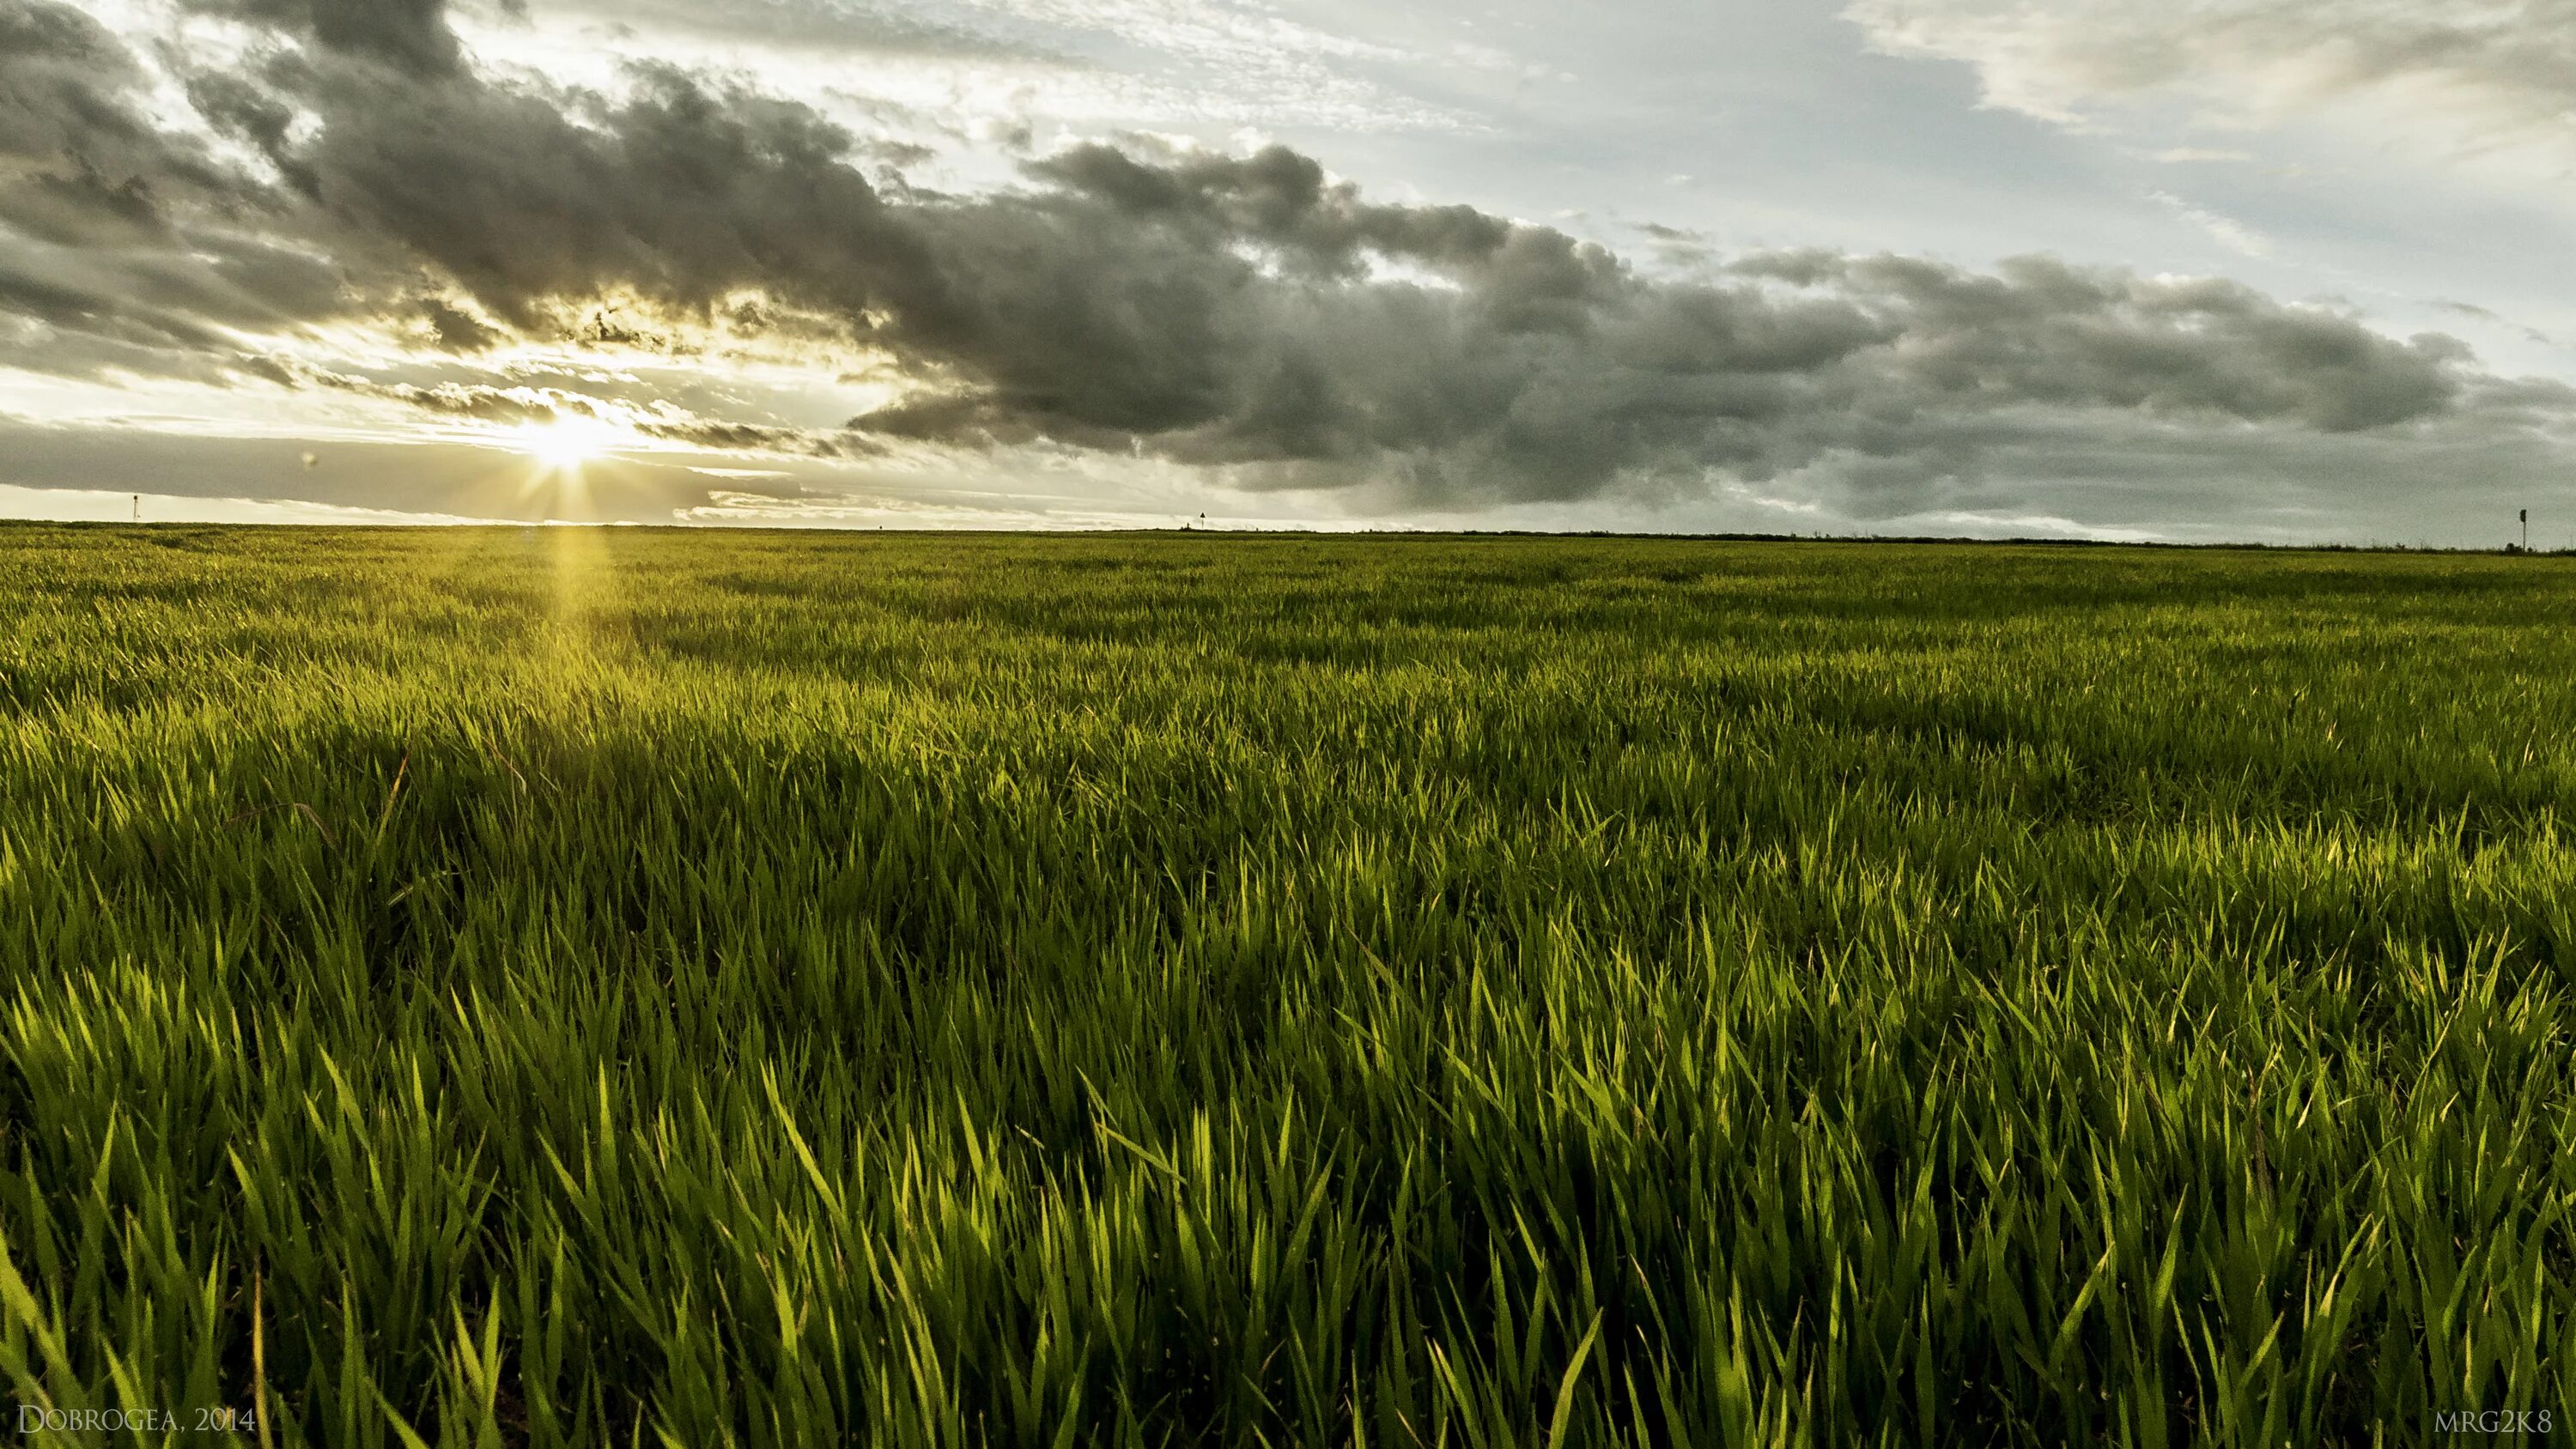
(567, 987)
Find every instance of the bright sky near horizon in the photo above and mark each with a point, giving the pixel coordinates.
(2270, 270)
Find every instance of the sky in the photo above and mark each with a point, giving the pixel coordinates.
(2279, 271)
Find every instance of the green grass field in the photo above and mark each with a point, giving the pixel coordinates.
(567, 987)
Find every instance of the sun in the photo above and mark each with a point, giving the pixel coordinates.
(565, 449)
(571, 440)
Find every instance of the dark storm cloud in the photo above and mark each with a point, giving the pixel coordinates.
(679, 193)
(1216, 311)
(79, 160)
(1248, 313)
(2042, 331)
(66, 83)
(762, 438)
(409, 35)
(456, 330)
(1280, 199)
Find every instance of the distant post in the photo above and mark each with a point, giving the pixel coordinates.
(138, 508)
(2526, 530)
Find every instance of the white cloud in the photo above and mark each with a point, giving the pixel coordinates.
(2227, 231)
(986, 64)
(2494, 79)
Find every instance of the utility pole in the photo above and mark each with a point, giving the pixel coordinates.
(2526, 530)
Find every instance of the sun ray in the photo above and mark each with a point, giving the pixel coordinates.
(562, 449)
(569, 441)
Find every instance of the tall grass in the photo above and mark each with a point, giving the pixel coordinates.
(567, 988)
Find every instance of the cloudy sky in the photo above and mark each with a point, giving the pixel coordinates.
(2278, 270)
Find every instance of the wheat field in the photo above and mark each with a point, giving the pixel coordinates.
(575, 987)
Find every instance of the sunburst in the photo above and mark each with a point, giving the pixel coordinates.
(564, 449)
(568, 442)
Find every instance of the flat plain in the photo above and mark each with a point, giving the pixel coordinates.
(565, 986)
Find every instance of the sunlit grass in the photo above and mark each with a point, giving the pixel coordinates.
(571, 986)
